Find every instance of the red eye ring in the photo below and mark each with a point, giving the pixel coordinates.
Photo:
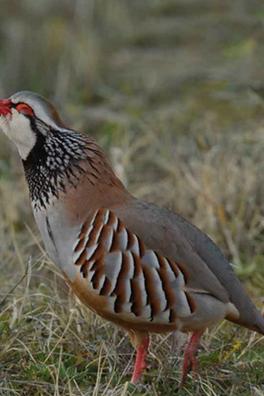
(24, 109)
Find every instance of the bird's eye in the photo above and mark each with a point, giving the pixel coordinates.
(25, 109)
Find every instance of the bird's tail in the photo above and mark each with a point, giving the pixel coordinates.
(255, 325)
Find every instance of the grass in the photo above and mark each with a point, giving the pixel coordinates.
(173, 91)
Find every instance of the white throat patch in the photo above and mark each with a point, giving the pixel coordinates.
(17, 128)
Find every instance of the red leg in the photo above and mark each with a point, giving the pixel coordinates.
(140, 364)
(190, 361)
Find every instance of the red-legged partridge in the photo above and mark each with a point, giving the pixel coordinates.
(142, 267)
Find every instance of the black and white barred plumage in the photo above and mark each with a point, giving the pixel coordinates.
(53, 161)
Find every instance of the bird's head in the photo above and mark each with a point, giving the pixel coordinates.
(50, 152)
(26, 118)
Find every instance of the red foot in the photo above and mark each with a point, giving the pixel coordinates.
(190, 361)
(140, 364)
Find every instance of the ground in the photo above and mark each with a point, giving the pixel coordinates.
(173, 91)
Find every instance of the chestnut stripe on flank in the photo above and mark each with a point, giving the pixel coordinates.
(106, 288)
(80, 245)
(81, 259)
(95, 280)
(168, 290)
(98, 253)
(120, 287)
(106, 237)
(94, 235)
(119, 225)
(84, 230)
(141, 247)
(135, 297)
(112, 219)
(97, 228)
(98, 268)
(84, 269)
(115, 242)
(152, 297)
(173, 267)
(106, 215)
(184, 272)
(131, 239)
(137, 265)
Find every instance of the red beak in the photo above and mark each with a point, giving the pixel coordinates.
(5, 107)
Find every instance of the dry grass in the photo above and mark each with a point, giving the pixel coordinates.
(166, 88)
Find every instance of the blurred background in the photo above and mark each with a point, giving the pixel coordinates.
(172, 89)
